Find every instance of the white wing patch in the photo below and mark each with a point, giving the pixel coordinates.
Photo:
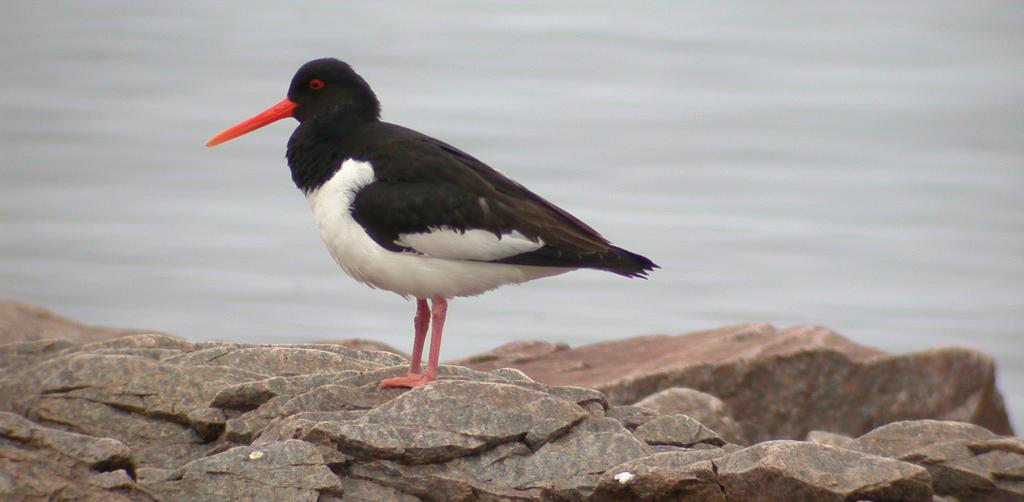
(479, 245)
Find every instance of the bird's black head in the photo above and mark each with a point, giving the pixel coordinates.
(328, 90)
(325, 95)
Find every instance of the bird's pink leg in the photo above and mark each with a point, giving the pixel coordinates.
(438, 313)
(420, 322)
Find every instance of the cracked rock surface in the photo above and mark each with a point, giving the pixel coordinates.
(966, 462)
(772, 383)
(155, 418)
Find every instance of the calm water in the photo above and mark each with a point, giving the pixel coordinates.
(858, 166)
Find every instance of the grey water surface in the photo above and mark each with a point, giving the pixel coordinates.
(858, 165)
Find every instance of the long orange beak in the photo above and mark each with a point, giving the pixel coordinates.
(277, 112)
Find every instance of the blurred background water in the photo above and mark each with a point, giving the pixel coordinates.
(856, 165)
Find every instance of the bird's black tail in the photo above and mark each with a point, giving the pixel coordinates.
(610, 258)
(625, 263)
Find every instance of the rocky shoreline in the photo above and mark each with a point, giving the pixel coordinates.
(741, 413)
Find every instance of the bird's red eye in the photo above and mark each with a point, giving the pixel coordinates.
(316, 84)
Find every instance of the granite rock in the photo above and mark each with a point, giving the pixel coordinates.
(154, 417)
(42, 463)
(829, 439)
(701, 406)
(665, 476)
(799, 471)
(286, 471)
(966, 462)
(677, 430)
(777, 383)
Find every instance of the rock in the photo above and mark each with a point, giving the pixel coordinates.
(361, 490)
(153, 417)
(277, 361)
(21, 322)
(90, 451)
(154, 441)
(380, 358)
(1008, 444)
(282, 359)
(30, 364)
(111, 480)
(340, 396)
(243, 428)
(799, 471)
(702, 407)
(631, 417)
(677, 430)
(263, 401)
(514, 375)
(250, 395)
(776, 470)
(365, 345)
(965, 461)
(580, 457)
(446, 372)
(286, 471)
(907, 438)
(513, 352)
(829, 439)
(664, 476)
(18, 357)
(544, 431)
(207, 422)
(493, 412)
(144, 403)
(299, 424)
(411, 445)
(580, 395)
(511, 471)
(448, 419)
(40, 463)
(450, 481)
(779, 383)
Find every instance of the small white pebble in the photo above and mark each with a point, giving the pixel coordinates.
(624, 477)
(256, 455)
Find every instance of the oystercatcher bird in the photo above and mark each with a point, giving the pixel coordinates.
(401, 211)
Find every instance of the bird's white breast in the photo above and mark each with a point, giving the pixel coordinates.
(448, 265)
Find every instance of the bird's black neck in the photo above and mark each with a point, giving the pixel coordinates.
(316, 151)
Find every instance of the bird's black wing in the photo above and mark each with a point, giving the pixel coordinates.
(431, 198)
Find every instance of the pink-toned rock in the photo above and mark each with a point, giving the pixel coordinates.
(779, 383)
(21, 322)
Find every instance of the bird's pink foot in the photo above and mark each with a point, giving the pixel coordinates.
(411, 380)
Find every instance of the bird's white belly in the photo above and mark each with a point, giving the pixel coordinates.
(407, 274)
